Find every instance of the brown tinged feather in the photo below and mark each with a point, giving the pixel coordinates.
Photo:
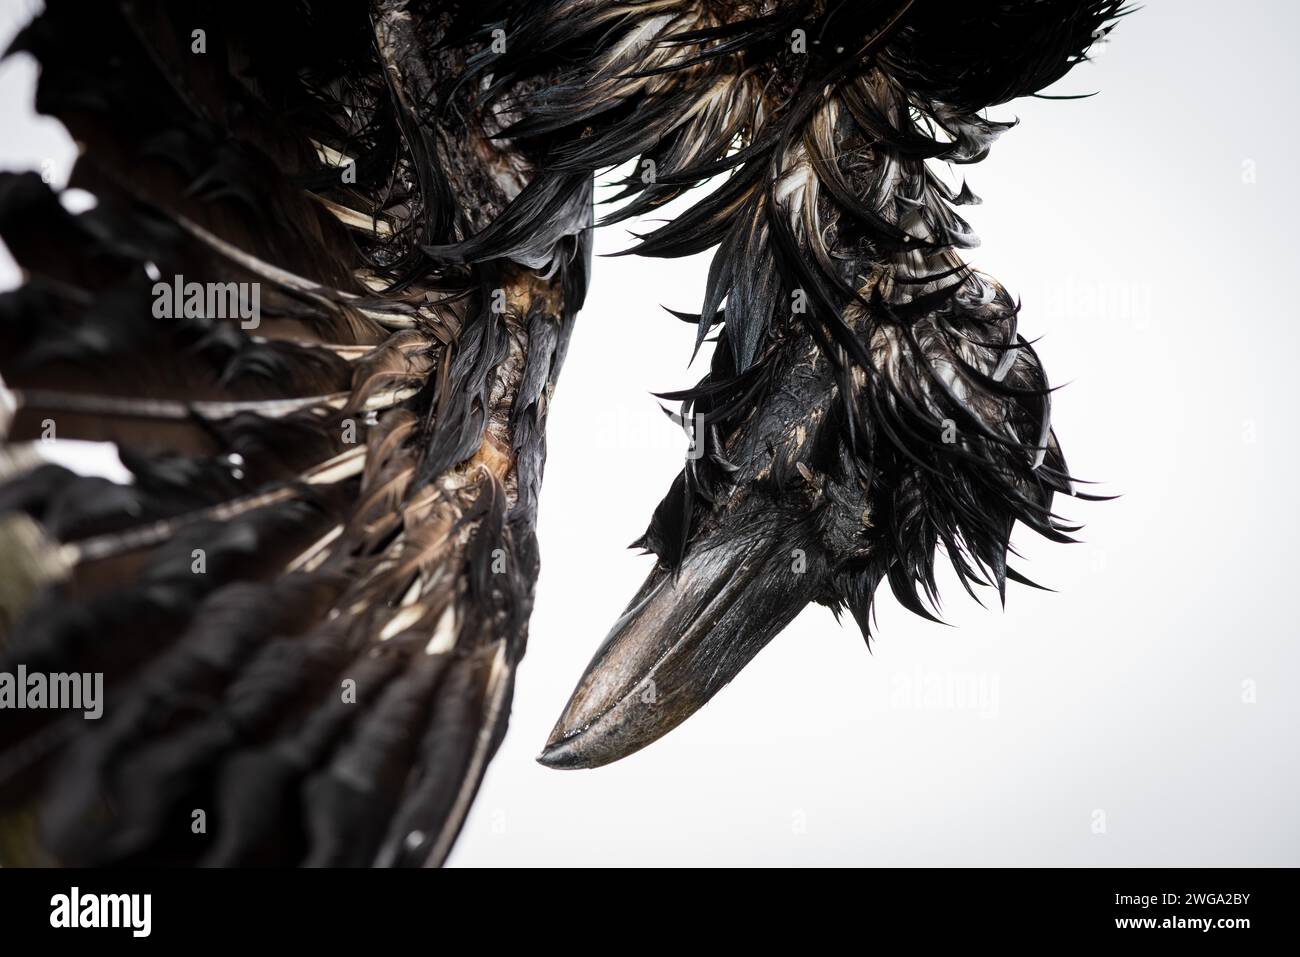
(355, 445)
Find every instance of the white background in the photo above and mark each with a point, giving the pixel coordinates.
(1150, 232)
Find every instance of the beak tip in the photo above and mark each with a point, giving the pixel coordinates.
(561, 755)
(684, 635)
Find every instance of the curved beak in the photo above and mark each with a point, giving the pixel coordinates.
(686, 634)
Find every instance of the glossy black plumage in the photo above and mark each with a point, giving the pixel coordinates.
(870, 400)
(309, 603)
(410, 183)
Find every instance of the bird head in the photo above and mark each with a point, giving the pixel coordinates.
(870, 402)
(813, 477)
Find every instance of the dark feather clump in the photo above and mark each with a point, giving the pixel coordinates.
(309, 599)
(832, 231)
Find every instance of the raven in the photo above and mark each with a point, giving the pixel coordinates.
(320, 306)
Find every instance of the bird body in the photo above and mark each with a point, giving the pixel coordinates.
(320, 309)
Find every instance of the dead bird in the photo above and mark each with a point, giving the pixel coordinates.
(870, 399)
(309, 603)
